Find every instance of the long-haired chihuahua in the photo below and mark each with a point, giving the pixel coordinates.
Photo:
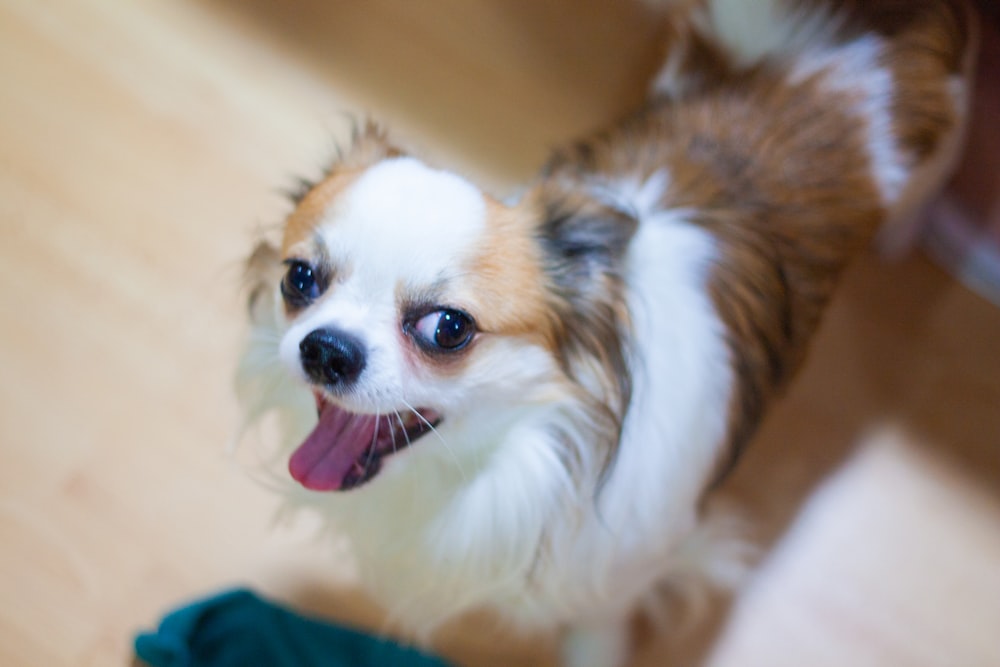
(522, 403)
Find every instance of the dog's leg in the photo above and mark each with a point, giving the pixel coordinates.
(603, 643)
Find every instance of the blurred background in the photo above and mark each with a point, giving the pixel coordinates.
(143, 148)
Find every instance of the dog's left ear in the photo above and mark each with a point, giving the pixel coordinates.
(584, 241)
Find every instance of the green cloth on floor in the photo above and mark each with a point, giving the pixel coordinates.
(238, 629)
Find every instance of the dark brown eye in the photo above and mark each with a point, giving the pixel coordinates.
(300, 286)
(445, 330)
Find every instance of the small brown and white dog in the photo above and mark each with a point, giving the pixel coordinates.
(522, 403)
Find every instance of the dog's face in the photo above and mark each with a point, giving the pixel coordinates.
(416, 304)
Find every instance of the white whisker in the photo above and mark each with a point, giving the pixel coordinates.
(371, 450)
(392, 430)
(402, 426)
(458, 463)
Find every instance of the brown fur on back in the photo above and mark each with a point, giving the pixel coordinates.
(780, 174)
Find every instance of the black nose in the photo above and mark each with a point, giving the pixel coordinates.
(332, 358)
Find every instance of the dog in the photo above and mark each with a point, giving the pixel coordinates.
(520, 405)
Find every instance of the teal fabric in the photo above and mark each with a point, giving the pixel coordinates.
(237, 629)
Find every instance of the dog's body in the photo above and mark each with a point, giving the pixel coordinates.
(579, 366)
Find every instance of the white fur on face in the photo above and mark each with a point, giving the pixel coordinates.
(401, 228)
(403, 221)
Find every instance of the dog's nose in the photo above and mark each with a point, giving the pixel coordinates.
(332, 358)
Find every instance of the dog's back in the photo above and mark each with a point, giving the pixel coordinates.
(793, 131)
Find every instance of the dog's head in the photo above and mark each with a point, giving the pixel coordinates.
(422, 312)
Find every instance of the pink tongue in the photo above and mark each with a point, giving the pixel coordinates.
(323, 460)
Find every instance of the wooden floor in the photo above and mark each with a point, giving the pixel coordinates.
(142, 147)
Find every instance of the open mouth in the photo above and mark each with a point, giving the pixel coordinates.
(346, 449)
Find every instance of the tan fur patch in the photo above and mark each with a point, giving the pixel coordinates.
(309, 214)
(369, 145)
(500, 285)
(505, 279)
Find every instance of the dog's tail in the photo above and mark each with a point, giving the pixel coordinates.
(916, 99)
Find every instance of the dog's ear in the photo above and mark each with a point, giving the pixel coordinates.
(584, 242)
(262, 273)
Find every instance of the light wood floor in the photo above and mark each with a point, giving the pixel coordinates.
(142, 145)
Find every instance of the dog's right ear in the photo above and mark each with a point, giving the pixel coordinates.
(261, 275)
(261, 381)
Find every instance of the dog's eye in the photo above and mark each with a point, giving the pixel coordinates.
(300, 285)
(444, 330)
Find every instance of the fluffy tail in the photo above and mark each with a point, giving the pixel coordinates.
(908, 62)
